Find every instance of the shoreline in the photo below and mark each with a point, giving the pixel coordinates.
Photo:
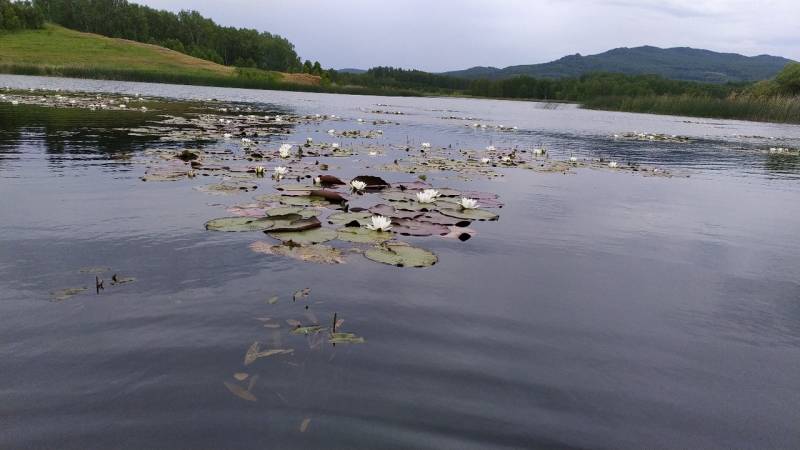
(158, 77)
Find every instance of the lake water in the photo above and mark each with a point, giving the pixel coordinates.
(604, 309)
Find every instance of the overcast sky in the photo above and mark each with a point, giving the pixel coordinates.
(438, 35)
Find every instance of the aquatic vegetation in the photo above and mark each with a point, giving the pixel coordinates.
(358, 185)
(468, 203)
(427, 196)
(379, 223)
(400, 254)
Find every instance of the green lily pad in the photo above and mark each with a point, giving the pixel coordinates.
(296, 187)
(469, 214)
(314, 329)
(315, 236)
(398, 196)
(306, 200)
(343, 218)
(363, 235)
(284, 210)
(268, 198)
(345, 338)
(400, 254)
(320, 254)
(239, 224)
(67, 293)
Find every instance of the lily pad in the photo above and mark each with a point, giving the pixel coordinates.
(255, 352)
(308, 200)
(314, 236)
(398, 196)
(233, 224)
(345, 338)
(439, 218)
(330, 196)
(329, 180)
(372, 182)
(363, 235)
(344, 218)
(313, 329)
(469, 214)
(391, 211)
(320, 254)
(64, 294)
(409, 227)
(295, 187)
(400, 254)
(284, 210)
(293, 222)
(240, 391)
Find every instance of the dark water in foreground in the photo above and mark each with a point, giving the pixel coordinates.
(603, 310)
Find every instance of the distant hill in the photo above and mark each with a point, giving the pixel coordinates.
(678, 63)
(351, 70)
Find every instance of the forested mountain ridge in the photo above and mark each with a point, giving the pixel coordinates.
(678, 63)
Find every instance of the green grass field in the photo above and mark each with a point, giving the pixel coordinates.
(59, 47)
(58, 51)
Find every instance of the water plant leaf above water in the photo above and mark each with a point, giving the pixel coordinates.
(469, 214)
(239, 223)
(305, 213)
(345, 338)
(254, 352)
(320, 254)
(67, 293)
(312, 236)
(240, 391)
(344, 218)
(362, 235)
(400, 254)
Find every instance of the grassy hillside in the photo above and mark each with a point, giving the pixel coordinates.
(55, 50)
(680, 63)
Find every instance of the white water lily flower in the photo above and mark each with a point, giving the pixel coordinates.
(15, 102)
(538, 151)
(259, 170)
(358, 185)
(335, 145)
(278, 119)
(506, 158)
(123, 106)
(143, 109)
(373, 153)
(331, 131)
(227, 135)
(485, 160)
(613, 164)
(317, 180)
(468, 203)
(427, 196)
(280, 171)
(285, 150)
(573, 159)
(246, 141)
(490, 148)
(309, 140)
(379, 223)
(426, 145)
(360, 120)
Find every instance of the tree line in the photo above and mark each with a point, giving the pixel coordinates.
(19, 16)
(186, 31)
(525, 87)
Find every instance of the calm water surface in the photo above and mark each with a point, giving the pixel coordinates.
(604, 309)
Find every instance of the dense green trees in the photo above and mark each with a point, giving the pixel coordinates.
(187, 32)
(19, 15)
(567, 89)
